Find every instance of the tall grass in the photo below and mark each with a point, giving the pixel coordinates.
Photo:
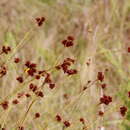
(102, 35)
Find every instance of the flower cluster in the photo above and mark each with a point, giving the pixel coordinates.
(82, 120)
(37, 115)
(39, 93)
(3, 71)
(40, 20)
(16, 60)
(129, 94)
(21, 128)
(100, 76)
(20, 95)
(35, 90)
(20, 79)
(31, 68)
(59, 119)
(6, 49)
(68, 42)
(100, 113)
(65, 66)
(105, 100)
(123, 110)
(103, 86)
(27, 95)
(48, 79)
(15, 101)
(66, 123)
(128, 49)
(5, 105)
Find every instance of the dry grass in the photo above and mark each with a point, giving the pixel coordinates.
(102, 34)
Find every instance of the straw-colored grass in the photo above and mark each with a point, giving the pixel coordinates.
(101, 29)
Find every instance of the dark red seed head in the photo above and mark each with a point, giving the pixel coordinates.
(21, 128)
(48, 79)
(89, 81)
(66, 63)
(100, 76)
(123, 110)
(69, 44)
(15, 101)
(64, 42)
(42, 72)
(27, 64)
(37, 77)
(129, 94)
(32, 65)
(31, 71)
(51, 86)
(20, 79)
(31, 86)
(34, 88)
(5, 105)
(6, 49)
(40, 20)
(58, 118)
(84, 88)
(16, 60)
(3, 71)
(128, 49)
(27, 95)
(105, 100)
(72, 71)
(37, 115)
(64, 67)
(66, 123)
(103, 86)
(71, 38)
(82, 120)
(100, 113)
(19, 95)
(58, 67)
(39, 93)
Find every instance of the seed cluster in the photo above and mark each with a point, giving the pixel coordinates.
(5, 105)
(3, 71)
(68, 42)
(123, 110)
(65, 66)
(105, 100)
(39, 21)
(100, 76)
(6, 49)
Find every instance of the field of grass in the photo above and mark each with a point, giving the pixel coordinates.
(90, 93)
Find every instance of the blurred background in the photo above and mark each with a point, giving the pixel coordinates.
(101, 29)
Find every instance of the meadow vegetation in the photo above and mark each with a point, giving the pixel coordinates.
(64, 64)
